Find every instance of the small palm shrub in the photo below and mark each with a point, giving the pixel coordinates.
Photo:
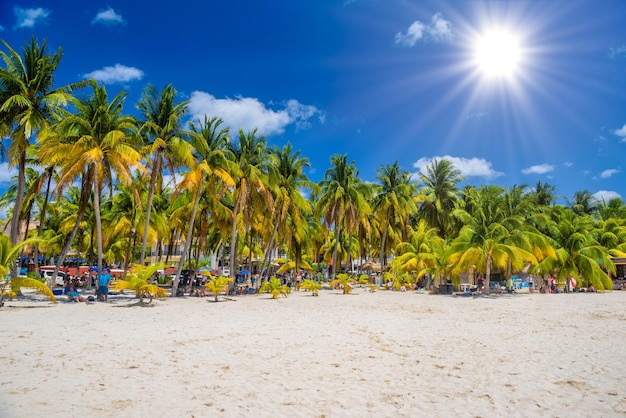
(138, 279)
(218, 285)
(312, 286)
(344, 281)
(275, 288)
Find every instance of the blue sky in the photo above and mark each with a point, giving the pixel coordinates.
(379, 80)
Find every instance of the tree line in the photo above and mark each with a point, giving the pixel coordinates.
(94, 179)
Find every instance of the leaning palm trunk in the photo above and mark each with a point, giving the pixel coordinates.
(84, 196)
(153, 176)
(42, 218)
(337, 235)
(233, 241)
(382, 249)
(270, 247)
(187, 239)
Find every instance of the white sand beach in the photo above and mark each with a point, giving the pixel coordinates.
(382, 354)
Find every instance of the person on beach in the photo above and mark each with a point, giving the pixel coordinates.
(74, 296)
(103, 285)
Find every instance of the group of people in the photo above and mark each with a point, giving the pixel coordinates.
(102, 289)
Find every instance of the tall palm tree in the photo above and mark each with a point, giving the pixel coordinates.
(250, 175)
(342, 201)
(209, 140)
(161, 129)
(393, 202)
(93, 144)
(28, 100)
(287, 180)
(439, 195)
(583, 203)
(543, 194)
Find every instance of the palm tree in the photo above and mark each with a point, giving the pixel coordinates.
(287, 180)
(92, 144)
(543, 194)
(393, 203)
(342, 201)
(250, 174)
(492, 238)
(164, 141)
(209, 141)
(583, 203)
(439, 195)
(8, 255)
(578, 252)
(28, 100)
(138, 279)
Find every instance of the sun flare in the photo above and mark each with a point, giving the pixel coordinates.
(497, 54)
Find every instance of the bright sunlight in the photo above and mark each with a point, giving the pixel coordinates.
(497, 54)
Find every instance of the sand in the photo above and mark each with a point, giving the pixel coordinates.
(382, 354)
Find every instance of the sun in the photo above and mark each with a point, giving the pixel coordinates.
(497, 54)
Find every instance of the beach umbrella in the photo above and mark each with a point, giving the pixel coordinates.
(244, 272)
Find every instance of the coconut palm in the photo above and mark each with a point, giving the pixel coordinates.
(490, 237)
(543, 194)
(209, 140)
(287, 180)
(138, 279)
(342, 201)
(584, 203)
(161, 129)
(9, 287)
(275, 288)
(344, 281)
(28, 100)
(578, 252)
(311, 286)
(393, 203)
(218, 285)
(93, 144)
(439, 195)
(250, 175)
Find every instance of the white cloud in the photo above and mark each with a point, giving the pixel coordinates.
(248, 113)
(437, 30)
(538, 169)
(27, 18)
(568, 163)
(606, 195)
(616, 52)
(621, 132)
(469, 167)
(108, 17)
(117, 74)
(6, 173)
(608, 173)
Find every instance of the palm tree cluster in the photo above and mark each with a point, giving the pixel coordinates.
(112, 186)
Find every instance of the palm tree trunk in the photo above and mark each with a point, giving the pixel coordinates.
(268, 253)
(382, 249)
(233, 241)
(96, 209)
(187, 239)
(487, 273)
(84, 197)
(153, 176)
(337, 235)
(17, 209)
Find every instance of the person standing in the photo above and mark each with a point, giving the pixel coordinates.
(103, 285)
